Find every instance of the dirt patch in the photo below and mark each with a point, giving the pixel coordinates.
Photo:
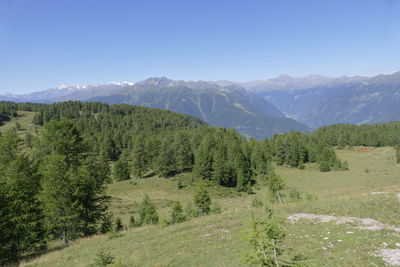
(379, 193)
(216, 232)
(390, 256)
(363, 149)
(363, 223)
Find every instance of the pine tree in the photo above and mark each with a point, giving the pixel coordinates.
(202, 200)
(72, 183)
(166, 163)
(203, 160)
(61, 220)
(266, 239)
(292, 150)
(20, 213)
(121, 168)
(183, 152)
(177, 214)
(89, 195)
(139, 157)
(280, 151)
(147, 212)
(243, 173)
(222, 172)
(275, 185)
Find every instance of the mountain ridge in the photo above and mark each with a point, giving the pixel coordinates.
(229, 106)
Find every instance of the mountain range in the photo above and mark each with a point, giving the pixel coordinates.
(317, 100)
(228, 106)
(256, 108)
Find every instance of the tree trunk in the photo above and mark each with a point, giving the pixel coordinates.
(279, 197)
(275, 254)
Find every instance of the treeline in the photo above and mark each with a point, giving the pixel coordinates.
(375, 135)
(7, 110)
(143, 141)
(295, 149)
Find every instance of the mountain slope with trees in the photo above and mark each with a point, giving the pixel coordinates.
(228, 107)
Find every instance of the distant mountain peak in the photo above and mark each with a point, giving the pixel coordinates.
(121, 83)
(156, 81)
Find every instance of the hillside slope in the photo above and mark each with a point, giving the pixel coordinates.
(220, 239)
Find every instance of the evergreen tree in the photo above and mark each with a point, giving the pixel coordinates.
(266, 239)
(89, 194)
(280, 151)
(275, 185)
(147, 212)
(62, 137)
(243, 173)
(291, 150)
(183, 152)
(61, 220)
(177, 214)
(166, 163)
(72, 184)
(203, 160)
(20, 213)
(202, 200)
(222, 172)
(121, 168)
(139, 157)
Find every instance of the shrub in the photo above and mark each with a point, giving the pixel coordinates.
(104, 258)
(118, 226)
(324, 166)
(106, 224)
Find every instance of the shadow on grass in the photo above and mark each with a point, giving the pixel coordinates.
(35, 254)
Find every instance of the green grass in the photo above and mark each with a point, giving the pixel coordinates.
(25, 120)
(219, 240)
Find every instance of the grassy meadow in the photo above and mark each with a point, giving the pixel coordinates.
(220, 239)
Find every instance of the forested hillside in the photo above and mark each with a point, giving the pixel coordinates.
(53, 184)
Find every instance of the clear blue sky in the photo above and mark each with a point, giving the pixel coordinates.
(48, 43)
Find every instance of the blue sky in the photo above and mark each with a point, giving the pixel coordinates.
(44, 44)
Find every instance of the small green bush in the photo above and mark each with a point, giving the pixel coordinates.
(104, 258)
(324, 166)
